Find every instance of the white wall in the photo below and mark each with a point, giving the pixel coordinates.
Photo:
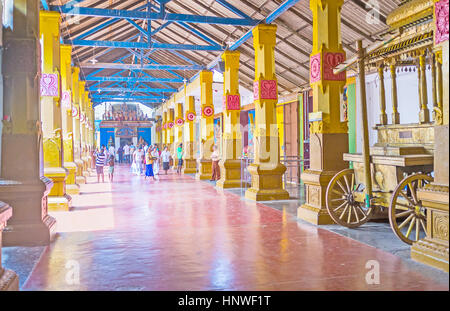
(408, 101)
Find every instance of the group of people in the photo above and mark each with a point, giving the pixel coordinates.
(105, 158)
(146, 160)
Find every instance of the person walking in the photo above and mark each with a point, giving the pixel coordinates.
(149, 160)
(180, 158)
(111, 161)
(100, 163)
(139, 158)
(120, 153)
(215, 158)
(156, 156)
(165, 158)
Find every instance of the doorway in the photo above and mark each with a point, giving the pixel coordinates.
(124, 141)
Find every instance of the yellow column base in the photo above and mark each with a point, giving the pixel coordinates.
(71, 187)
(267, 182)
(189, 166)
(433, 250)
(315, 211)
(57, 198)
(80, 178)
(230, 174)
(204, 169)
(85, 166)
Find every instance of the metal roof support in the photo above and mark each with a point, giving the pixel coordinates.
(112, 13)
(233, 9)
(131, 79)
(142, 45)
(141, 67)
(144, 90)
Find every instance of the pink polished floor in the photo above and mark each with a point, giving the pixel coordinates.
(181, 234)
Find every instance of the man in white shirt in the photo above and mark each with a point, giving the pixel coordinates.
(165, 157)
(112, 151)
(126, 152)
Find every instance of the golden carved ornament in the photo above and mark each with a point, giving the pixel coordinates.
(410, 12)
(440, 226)
(437, 116)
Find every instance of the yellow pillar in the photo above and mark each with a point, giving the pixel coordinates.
(83, 136)
(329, 137)
(80, 179)
(164, 129)
(433, 249)
(170, 129)
(190, 163)
(25, 188)
(51, 112)
(90, 134)
(67, 120)
(267, 171)
(206, 126)
(157, 129)
(178, 129)
(230, 165)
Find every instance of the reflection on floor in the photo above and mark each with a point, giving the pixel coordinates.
(181, 234)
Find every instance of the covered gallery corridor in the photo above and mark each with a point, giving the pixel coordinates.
(181, 234)
(306, 144)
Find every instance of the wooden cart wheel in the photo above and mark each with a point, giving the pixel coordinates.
(406, 213)
(341, 203)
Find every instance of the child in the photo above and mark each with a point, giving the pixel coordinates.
(111, 167)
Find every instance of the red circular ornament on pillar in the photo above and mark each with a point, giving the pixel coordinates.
(190, 116)
(180, 121)
(208, 111)
(170, 125)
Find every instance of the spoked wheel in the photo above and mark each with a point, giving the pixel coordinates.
(406, 214)
(341, 203)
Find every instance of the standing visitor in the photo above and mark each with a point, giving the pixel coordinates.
(156, 156)
(180, 158)
(149, 160)
(120, 153)
(100, 163)
(165, 157)
(112, 151)
(215, 158)
(139, 158)
(111, 167)
(126, 152)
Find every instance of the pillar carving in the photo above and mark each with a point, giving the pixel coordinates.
(230, 165)
(80, 178)
(206, 126)
(51, 111)
(67, 121)
(329, 136)
(190, 163)
(433, 250)
(266, 171)
(23, 185)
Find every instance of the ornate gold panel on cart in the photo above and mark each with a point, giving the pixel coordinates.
(390, 173)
